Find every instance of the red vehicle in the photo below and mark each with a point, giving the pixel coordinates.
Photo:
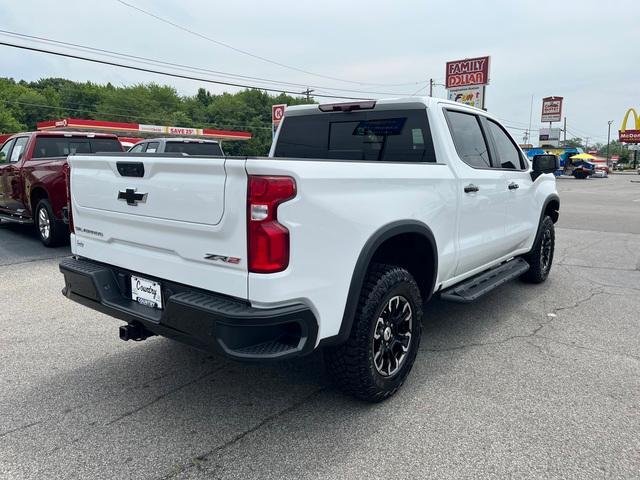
(32, 178)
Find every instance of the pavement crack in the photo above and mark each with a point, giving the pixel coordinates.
(18, 429)
(564, 264)
(33, 260)
(574, 305)
(162, 396)
(196, 461)
(533, 333)
(592, 349)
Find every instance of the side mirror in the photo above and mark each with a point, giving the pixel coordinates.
(544, 164)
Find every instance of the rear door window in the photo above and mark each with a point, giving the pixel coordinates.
(387, 136)
(469, 139)
(194, 148)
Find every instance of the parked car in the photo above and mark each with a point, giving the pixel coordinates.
(186, 146)
(361, 212)
(580, 169)
(32, 178)
(618, 167)
(601, 171)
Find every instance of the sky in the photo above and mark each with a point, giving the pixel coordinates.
(585, 51)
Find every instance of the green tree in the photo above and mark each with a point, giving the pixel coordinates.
(8, 124)
(573, 143)
(23, 104)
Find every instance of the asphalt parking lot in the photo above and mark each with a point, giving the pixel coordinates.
(528, 382)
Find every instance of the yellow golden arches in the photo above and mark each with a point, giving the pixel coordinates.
(623, 127)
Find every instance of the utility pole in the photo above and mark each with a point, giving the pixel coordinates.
(431, 87)
(307, 92)
(530, 117)
(608, 140)
(586, 144)
(565, 132)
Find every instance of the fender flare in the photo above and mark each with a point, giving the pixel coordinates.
(362, 264)
(546, 203)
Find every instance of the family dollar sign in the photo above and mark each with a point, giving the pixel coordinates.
(470, 71)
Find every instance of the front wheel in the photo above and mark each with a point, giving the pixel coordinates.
(540, 258)
(382, 347)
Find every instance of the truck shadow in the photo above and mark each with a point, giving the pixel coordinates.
(20, 243)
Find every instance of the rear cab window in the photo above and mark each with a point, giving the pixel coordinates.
(53, 146)
(194, 148)
(401, 135)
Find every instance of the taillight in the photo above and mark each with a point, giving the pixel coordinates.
(67, 178)
(267, 240)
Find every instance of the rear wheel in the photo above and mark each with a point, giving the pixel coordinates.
(52, 232)
(540, 258)
(381, 349)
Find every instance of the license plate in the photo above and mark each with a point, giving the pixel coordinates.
(146, 292)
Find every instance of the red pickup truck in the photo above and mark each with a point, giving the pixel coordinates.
(32, 178)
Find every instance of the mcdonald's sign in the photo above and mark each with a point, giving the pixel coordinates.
(630, 136)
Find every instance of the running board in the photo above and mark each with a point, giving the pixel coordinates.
(14, 219)
(475, 287)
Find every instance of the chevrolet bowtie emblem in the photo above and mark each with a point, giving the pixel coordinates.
(131, 196)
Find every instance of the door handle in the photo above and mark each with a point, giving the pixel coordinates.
(513, 186)
(471, 188)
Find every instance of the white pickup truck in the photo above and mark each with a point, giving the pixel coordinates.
(360, 213)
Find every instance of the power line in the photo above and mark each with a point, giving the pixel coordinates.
(168, 74)
(178, 66)
(253, 55)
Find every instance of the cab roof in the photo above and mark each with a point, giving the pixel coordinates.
(381, 104)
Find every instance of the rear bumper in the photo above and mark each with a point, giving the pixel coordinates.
(205, 320)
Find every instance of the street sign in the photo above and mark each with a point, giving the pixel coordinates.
(277, 114)
(551, 109)
(467, 72)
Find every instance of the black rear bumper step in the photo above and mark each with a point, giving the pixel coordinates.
(477, 286)
(208, 321)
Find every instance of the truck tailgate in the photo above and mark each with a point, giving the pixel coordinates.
(175, 218)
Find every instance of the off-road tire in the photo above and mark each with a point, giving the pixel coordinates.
(58, 230)
(540, 262)
(351, 364)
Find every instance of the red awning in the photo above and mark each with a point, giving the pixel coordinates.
(141, 130)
